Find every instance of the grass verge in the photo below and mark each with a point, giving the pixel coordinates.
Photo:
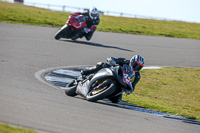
(170, 90)
(4, 128)
(21, 14)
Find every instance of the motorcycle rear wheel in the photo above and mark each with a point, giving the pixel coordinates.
(100, 93)
(70, 90)
(61, 32)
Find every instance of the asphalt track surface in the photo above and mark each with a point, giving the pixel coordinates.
(27, 102)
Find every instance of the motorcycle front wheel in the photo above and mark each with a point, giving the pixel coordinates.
(61, 32)
(101, 91)
(70, 90)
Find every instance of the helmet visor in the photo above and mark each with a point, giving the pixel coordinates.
(94, 14)
(137, 66)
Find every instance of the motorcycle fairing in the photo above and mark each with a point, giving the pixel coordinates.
(77, 21)
(82, 88)
(122, 75)
(103, 73)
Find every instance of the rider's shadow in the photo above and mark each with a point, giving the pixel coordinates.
(98, 45)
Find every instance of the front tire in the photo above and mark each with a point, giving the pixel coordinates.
(70, 90)
(61, 32)
(100, 93)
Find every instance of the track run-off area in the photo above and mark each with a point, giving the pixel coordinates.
(27, 102)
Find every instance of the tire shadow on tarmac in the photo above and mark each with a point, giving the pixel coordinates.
(125, 105)
(97, 45)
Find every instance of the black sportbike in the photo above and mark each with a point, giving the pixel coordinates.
(106, 83)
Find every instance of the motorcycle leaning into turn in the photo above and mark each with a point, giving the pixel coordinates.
(74, 28)
(107, 83)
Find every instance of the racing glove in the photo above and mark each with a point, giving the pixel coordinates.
(86, 30)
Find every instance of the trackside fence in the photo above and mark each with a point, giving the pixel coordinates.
(66, 8)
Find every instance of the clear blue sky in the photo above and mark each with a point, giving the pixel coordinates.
(184, 10)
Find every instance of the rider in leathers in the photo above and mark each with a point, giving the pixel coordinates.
(92, 18)
(136, 62)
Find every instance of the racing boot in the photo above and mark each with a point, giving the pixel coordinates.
(93, 69)
(88, 36)
(86, 72)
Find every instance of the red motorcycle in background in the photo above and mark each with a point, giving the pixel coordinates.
(74, 25)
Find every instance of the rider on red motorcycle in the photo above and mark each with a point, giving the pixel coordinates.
(136, 62)
(92, 18)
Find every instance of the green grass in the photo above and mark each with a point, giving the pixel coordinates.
(4, 128)
(170, 90)
(150, 27)
(21, 14)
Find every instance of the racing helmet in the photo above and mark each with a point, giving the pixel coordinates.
(136, 62)
(93, 13)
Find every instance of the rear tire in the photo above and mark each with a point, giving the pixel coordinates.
(71, 89)
(61, 32)
(103, 94)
